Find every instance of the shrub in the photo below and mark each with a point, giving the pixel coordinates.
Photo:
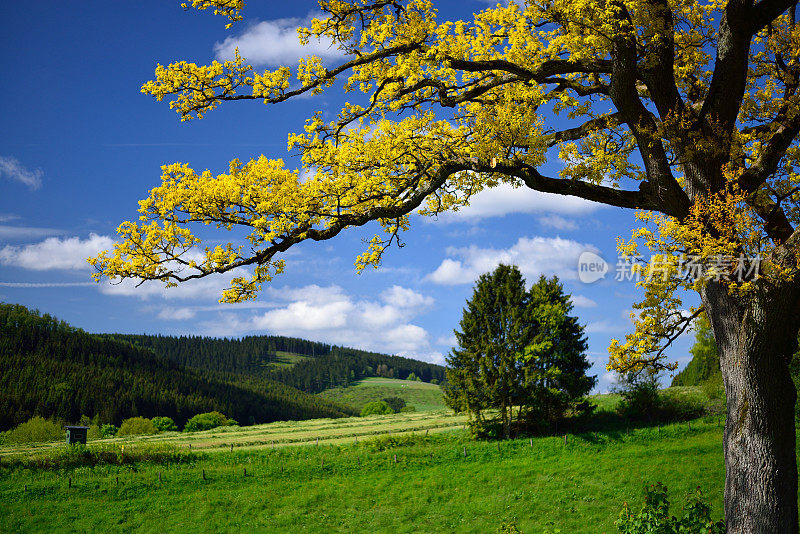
(165, 424)
(36, 429)
(137, 426)
(108, 431)
(654, 516)
(412, 376)
(434, 381)
(406, 409)
(207, 421)
(395, 403)
(376, 408)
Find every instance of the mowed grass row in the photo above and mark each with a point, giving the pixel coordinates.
(421, 395)
(285, 432)
(439, 483)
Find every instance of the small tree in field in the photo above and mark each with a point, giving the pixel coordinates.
(137, 426)
(516, 349)
(376, 408)
(165, 424)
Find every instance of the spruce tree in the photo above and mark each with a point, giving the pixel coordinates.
(517, 350)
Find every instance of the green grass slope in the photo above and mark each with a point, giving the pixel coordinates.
(421, 395)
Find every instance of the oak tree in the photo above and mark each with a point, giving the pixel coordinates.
(687, 110)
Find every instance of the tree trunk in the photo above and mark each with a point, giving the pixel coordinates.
(757, 336)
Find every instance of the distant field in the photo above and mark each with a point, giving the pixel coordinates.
(421, 395)
(287, 359)
(280, 434)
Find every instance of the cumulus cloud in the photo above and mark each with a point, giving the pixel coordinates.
(534, 257)
(275, 42)
(55, 253)
(579, 301)
(331, 315)
(506, 199)
(12, 169)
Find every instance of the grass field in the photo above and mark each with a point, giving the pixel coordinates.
(424, 485)
(421, 395)
(409, 472)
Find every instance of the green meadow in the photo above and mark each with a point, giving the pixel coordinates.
(442, 482)
(422, 396)
(408, 472)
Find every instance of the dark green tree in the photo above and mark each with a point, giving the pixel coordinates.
(517, 351)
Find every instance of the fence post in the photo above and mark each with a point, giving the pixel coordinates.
(395, 458)
(159, 477)
(204, 474)
(531, 440)
(465, 451)
(231, 447)
(565, 440)
(245, 472)
(70, 482)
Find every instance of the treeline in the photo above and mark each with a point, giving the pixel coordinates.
(342, 366)
(251, 358)
(247, 355)
(53, 370)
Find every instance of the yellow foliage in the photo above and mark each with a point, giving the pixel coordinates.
(441, 110)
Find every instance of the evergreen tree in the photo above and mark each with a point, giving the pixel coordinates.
(516, 349)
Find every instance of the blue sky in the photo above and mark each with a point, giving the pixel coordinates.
(80, 145)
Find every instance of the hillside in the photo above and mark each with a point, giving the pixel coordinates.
(54, 370)
(422, 396)
(306, 365)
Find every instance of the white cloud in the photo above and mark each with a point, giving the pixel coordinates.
(579, 301)
(25, 232)
(329, 314)
(177, 314)
(558, 222)
(11, 168)
(405, 298)
(506, 199)
(275, 42)
(55, 253)
(534, 257)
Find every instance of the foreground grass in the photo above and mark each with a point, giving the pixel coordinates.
(430, 487)
(421, 395)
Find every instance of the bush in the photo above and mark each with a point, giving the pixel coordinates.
(376, 408)
(412, 376)
(654, 516)
(137, 426)
(434, 381)
(642, 400)
(207, 421)
(407, 409)
(165, 424)
(34, 430)
(108, 431)
(395, 403)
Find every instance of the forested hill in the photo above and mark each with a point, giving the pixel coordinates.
(314, 366)
(51, 369)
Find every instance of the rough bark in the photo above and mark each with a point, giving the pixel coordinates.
(757, 336)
